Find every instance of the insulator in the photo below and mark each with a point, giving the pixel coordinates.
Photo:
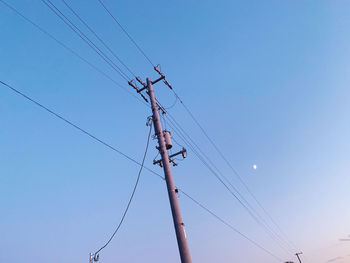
(132, 85)
(167, 138)
(139, 80)
(184, 153)
(168, 84)
(157, 69)
(144, 97)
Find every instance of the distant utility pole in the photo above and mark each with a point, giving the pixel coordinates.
(297, 254)
(163, 137)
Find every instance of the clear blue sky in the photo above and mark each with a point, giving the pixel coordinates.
(268, 80)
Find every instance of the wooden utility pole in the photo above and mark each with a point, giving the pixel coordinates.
(172, 193)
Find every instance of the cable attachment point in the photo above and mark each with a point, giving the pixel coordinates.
(167, 83)
(183, 152)
(158, 71)
(143, 96)
(149, 121)
(173, 162)
(161, 108)
(132, 85)
(96, 257)
(140, 81)
(138, 90)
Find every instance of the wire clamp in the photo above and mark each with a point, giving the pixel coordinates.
(183, 152)
(138, 90)
(149, 121)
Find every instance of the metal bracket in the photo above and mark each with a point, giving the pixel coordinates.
(138, 90)
(157, 69)
(183, 152)
(140, 81)
(161, 108)
(157, 80)
(165, 81)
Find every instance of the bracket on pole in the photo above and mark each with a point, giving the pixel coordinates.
(161, 108)
(157, 80)
(162, 74)
(183, 152)
(144, 86)
(138, 90)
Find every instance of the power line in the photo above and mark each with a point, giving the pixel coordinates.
(126, 33)
(127, 157)
(219, 175)
(45, 32)
(98, 37)
(234, 193)
(77, 127)
(83, 36)
(96, 255)
(235, 172)
(230, 226)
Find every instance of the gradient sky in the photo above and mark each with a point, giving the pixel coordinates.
(268, 80)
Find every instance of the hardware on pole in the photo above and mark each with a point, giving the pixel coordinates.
(164, 144)
(297, 254)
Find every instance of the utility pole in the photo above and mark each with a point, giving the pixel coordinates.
(172, 192)
(297, 254)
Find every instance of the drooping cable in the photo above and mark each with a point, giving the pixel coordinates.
(96, 255)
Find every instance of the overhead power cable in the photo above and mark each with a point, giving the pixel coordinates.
(252, 211)
(231, 189)
(83, 36)
(288, 241)
(77, 127)
(96, 255)
(98, 37)
(230, 226)
(127, 157)
(45, 32)
(126, 33)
